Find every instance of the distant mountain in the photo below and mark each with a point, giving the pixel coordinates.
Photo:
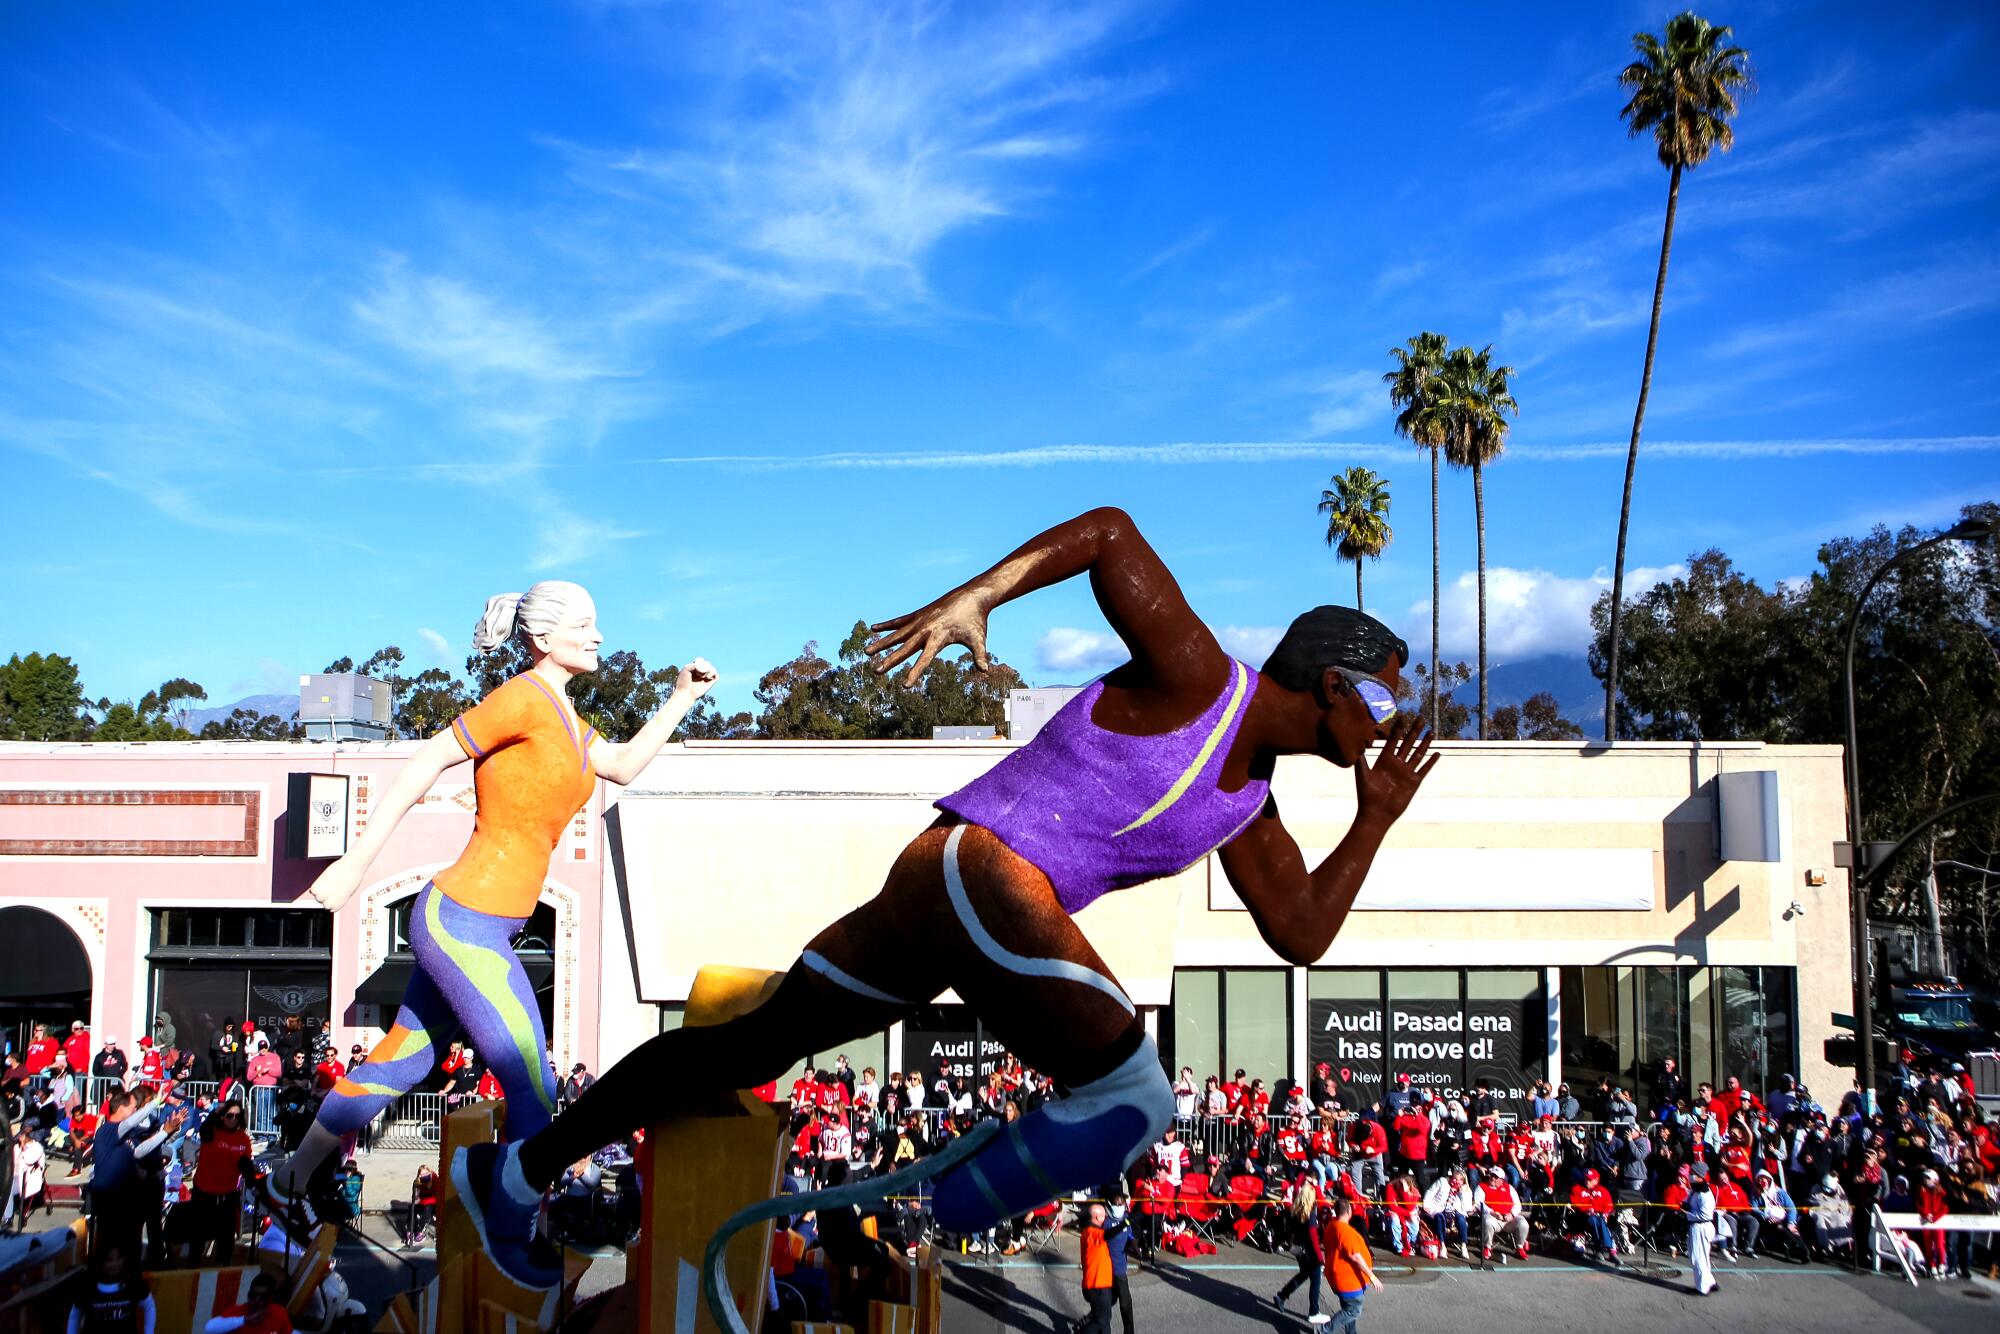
(1566, 676)
(285, 706)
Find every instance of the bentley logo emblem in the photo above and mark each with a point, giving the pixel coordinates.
(291, 999)
(324, 809)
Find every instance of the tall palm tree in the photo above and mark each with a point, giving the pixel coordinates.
(1684, 90)
(1418, 422)
(1357, 519)
(1474, 399)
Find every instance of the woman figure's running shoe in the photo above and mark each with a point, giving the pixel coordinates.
(503, 1208)
(291, 1214)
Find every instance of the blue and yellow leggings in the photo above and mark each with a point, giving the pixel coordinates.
(467, 968)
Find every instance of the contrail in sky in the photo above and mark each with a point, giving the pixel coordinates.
(1193, 453)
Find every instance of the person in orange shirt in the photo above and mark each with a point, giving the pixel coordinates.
(1097, 1278)
(1349, 1265)
(534, 764)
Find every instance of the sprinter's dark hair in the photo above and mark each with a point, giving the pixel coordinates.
(1332, 637)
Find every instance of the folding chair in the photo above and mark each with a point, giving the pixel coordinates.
(1044, 1227)
(1195, 1206)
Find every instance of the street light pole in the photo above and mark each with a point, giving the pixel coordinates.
(1860, 875)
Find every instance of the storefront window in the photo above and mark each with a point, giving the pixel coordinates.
(268, 967)
(1619, 1024)
(1226, 1019)
(242, 928)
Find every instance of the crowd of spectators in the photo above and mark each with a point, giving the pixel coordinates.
(1590, 1172)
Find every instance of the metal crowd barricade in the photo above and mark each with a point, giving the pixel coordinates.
(413, 1121)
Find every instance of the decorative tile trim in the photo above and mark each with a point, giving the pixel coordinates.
(250, 801)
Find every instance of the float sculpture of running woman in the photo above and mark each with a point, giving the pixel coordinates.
(1165, 760)
(534, 763)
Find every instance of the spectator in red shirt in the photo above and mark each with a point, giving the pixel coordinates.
(1736, 1157)
(488, 1089)
(1400, 1202)
(220, 1165)
(329, 1071)
(805, 1091)
(1931, 1206)
(1412, 1128)
(1733, 1098)
(1593, 1204)
(152, 1069)
(1237, 1090)
(40, 1052)
(76, 1047)
(1293, 1140)
(259, 1315)
(1367, 1145)
(1732, 1202)
(1488, 1147)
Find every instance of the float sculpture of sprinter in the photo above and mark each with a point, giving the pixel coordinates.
(1165, 760)
(534, 763)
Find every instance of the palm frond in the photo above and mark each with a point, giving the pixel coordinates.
(1357, 514)
(1685, 89)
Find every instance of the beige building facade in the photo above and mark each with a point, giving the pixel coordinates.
(1544, 909)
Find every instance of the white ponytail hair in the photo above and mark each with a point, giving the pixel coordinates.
(540, 609)
(496, 623)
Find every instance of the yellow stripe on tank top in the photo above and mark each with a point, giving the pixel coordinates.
(1201, 759)
(489, 973)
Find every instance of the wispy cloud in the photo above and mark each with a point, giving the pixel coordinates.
(564, 538)
(1187, 245)
(1956, 283)
(436, 646)
(1361, 451)
(1395, 277)
(845, 143)
(1343, 401)
(1278, 451)
(1856, 181)
(1572, 73)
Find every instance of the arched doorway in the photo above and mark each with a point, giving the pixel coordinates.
(44, 975)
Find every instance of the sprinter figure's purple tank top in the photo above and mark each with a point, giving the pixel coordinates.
(1097, 811)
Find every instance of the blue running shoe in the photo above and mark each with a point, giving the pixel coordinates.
(504, 1221)
(1032, 1161)
(1088, 1137)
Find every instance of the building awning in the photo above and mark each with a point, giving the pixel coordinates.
(40, 957)
(386, 985)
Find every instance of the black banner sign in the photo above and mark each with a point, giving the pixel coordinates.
(1443, 1045)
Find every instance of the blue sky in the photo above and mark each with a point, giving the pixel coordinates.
(318, 330)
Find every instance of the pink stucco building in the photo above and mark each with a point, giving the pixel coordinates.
(166, 864)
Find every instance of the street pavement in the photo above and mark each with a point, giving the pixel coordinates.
(1231, 1291)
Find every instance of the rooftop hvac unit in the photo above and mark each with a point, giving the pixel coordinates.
(344, 706)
